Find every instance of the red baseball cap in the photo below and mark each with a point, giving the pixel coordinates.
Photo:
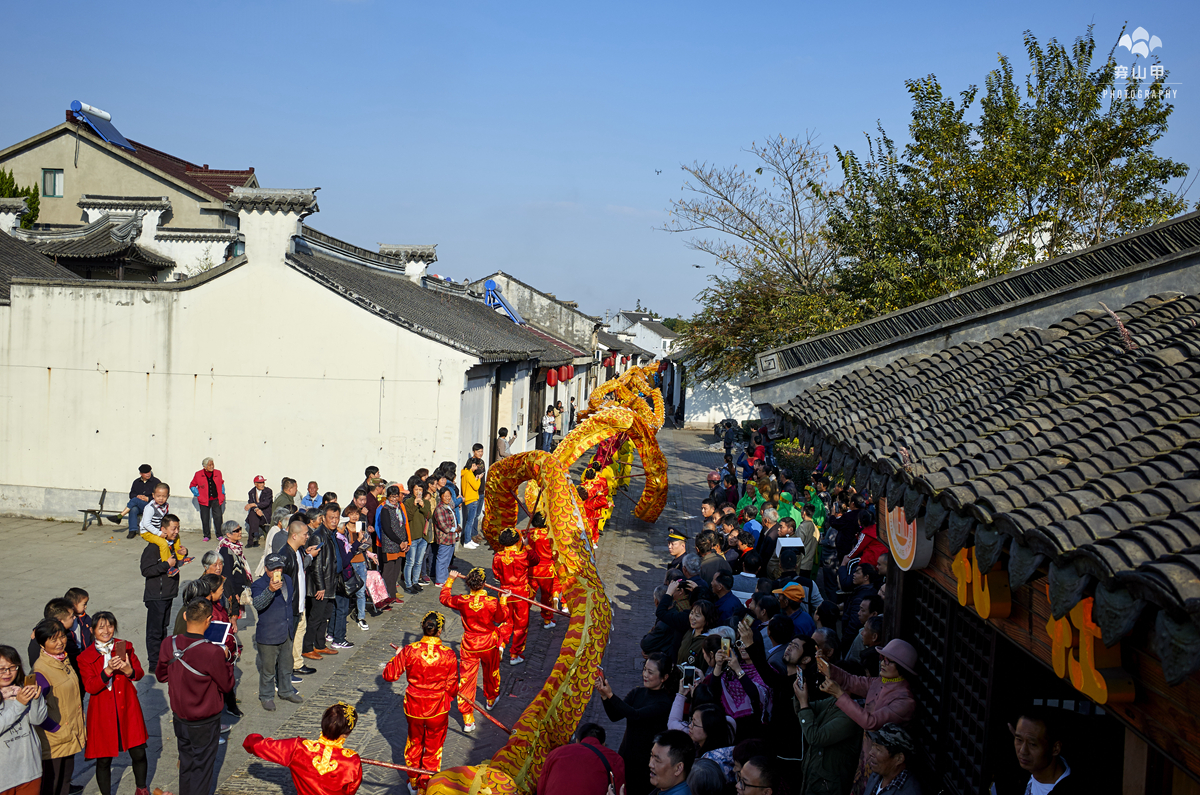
(259, 479)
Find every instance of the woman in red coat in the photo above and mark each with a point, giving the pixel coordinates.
(319, 767)
(114, 715)
(432, 671)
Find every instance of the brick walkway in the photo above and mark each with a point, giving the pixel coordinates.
(630, 557)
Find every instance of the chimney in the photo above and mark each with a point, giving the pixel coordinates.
(269, 219)
(11, 212)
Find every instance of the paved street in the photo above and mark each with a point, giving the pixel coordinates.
(45, 558)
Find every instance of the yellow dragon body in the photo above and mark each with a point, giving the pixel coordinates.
(616, 407)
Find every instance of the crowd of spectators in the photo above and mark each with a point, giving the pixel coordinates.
(768, 666)
(75, 689)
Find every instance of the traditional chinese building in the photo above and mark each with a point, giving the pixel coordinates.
(1040, 493)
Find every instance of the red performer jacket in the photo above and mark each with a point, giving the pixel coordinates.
(543, 546)
(432, 671)
(319, 767)
(512, 567)
(485, 620)
(597, 491)
(114, 715)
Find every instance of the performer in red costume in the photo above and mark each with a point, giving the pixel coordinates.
(320, 767)
(597, 501)
(545, 588)
(512, 566)
(485, 626)
(432, 671)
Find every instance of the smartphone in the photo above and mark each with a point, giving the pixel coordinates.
(748, 621)
(118, 651)
(277, 575)
(725, 644)
(31, 680)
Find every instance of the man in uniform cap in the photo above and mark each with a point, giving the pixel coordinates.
(677, 547)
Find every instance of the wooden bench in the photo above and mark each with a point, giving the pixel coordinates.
(94, 514)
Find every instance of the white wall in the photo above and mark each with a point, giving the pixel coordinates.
(711, 403)
(260, 367)
(648, 340)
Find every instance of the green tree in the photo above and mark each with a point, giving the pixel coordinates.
(9, 189)
(1063, 162)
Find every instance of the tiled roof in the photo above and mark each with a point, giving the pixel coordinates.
(104, 238)
(572, 305)
(19, 259)
(659, 329)
(218, 183)
(1067, 446)
(558, 352)
(1170, 239)
(458, 321)
(612, 342)
(215, 182)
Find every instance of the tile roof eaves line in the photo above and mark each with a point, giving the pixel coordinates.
(179, 286)
(929, 331)
(389, 316)
(1156, 229)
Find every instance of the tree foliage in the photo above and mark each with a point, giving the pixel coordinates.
(9, 189)
(990, 181)
(765, 229)
(1037, 171)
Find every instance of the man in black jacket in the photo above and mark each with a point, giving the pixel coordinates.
(162, 586)
(322, 584)
(298, 564)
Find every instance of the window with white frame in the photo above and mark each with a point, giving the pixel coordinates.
(52, 182)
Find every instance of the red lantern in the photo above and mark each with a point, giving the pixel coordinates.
(563, 373)
(570, 371)
(608, 361)
(551, 377)
(624, 360)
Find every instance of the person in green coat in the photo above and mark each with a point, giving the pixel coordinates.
(832, 743)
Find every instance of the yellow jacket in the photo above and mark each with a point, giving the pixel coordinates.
(470, 487)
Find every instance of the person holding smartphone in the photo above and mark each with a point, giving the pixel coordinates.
(645, 710)
(22, 707)
(109, 668)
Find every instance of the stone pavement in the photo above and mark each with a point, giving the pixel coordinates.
(630, 558)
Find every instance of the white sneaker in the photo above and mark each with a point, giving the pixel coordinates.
(489, 704)
(470, 727)
(363, 625)
(470, 545)
(516, 660)
(549, 625)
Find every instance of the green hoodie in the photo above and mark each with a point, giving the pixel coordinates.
(832, 744)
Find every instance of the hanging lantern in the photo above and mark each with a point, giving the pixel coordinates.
(608, 361)
(624, 360)
(570, 371)
(563, 373)
(551, 377)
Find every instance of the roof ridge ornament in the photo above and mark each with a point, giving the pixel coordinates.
(295, 200)
(406, 253)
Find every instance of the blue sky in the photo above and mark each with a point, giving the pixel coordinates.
(523, 136)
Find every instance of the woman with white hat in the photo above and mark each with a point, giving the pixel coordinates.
(888, 698)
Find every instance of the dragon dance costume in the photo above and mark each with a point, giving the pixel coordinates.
(432, 672)
(485, 625)
(512, 567)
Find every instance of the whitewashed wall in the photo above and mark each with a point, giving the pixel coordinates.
(712, 403)
(260, 367)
